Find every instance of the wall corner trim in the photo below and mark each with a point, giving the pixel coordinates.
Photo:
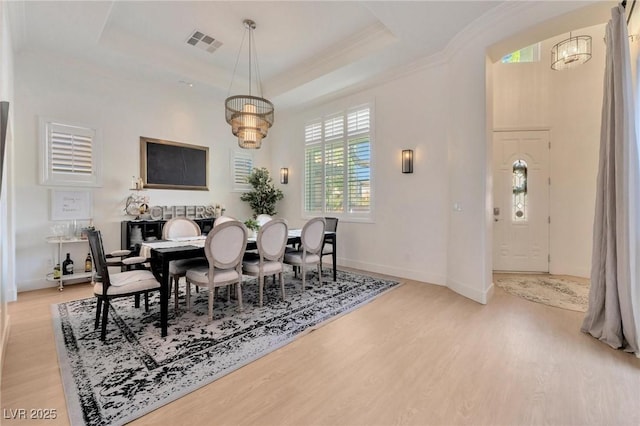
(469, 292)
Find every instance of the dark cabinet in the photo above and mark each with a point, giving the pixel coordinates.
(134, 232)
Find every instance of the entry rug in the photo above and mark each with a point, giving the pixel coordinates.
(136, 371)
(553, 291)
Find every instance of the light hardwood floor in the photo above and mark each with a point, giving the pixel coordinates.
(418, 355)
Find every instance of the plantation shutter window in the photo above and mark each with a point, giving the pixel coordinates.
(70, 154)
(313, 179)
(241, 167)
(338, 169)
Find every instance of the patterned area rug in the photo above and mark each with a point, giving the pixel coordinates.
(553, 291)
(137, 371)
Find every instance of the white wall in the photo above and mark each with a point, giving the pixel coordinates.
(7, 277)
(408, 236)
(123, 110)
(445, 114)
(532, 95)
(576, 110)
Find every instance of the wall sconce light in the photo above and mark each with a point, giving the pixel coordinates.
(284, 175)
(407, 161)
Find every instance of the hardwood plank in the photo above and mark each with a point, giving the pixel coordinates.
(418, 355)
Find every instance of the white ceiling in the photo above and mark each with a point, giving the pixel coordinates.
(306, 49)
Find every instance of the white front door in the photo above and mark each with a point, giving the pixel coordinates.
(521, 201)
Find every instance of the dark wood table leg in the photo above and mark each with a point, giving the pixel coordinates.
(164, 297)
(333, 256)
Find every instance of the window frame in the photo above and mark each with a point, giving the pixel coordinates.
(322, 120)
(48, 176)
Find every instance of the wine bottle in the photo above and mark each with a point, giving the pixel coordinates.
(67, 265)
(88, 264)
(56, 272)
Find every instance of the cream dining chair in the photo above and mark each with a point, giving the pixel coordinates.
(271, 242)
(262, 219)
(181, 227)
(310, 250)
(224, 247)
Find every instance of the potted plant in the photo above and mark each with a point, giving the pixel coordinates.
(264, 195)
(252, 225)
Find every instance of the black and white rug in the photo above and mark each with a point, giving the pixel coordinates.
(136, 371)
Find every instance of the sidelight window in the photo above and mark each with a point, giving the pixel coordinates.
(519, 197)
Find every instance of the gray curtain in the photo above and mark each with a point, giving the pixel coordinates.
(613, 299)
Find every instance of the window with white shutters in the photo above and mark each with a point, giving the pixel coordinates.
(70, 154)
(338, 168)
(241, 167)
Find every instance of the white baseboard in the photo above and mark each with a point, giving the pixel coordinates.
(471, 293)
(396, 272)
(575, 272)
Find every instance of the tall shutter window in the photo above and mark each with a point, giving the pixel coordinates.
(70, 154)
(338, 166)
(241, 167)
(359, 173)
(313, 169)
(359, 176)
(334, 177)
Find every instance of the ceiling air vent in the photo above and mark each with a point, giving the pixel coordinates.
(203, 41)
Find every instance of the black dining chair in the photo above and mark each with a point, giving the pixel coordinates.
(110, 286)
(331, 226)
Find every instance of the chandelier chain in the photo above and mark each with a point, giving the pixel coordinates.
(235, 67)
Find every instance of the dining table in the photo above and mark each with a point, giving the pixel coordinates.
(162, 252)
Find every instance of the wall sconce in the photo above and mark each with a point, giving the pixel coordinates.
(284, 175)
(407, 161)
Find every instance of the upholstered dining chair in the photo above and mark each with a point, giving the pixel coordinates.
(310, 250)
(271, 242)
(181, 227)
(122, 284)
(331, 226)
(125, 260)
(224, 247)
(222, 219)
(262, 219)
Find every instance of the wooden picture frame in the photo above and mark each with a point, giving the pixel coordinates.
(173, 165)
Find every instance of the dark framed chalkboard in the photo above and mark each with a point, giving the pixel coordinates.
(173, 165)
